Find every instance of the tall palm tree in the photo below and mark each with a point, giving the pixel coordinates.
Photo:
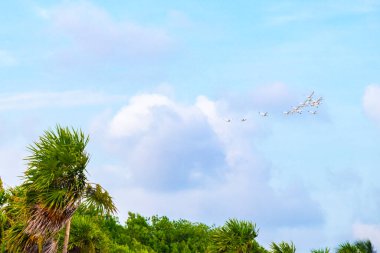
(283, 247)
(55, 184)
(235, 236)
(365, 246)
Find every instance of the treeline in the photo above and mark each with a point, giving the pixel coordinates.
(56, 209)
(92, 232)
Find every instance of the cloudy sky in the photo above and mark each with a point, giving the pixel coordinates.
(152, 84)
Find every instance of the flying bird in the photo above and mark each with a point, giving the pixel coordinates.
(228, 120)
(310, 96)
(308, 102)
(263, 114)
(296, 110)
(243, 119)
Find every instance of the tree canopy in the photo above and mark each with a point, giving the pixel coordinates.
(56, 194)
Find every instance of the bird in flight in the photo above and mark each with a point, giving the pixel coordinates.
(264, 114)
(228, 120)
(243, 119)
(310, 96)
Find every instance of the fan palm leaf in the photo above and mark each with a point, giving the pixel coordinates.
(98, 199)
(283, 247)
(234, 236)
(347, 248)
(325, 250)
(365, 246)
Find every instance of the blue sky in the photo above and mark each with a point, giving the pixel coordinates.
(152, 83)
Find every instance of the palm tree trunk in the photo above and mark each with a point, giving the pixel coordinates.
(67, 235)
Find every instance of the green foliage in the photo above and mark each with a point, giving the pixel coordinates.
(357, 247)
(283, 247)
(325, 250)
(3, 217)
(138, 228)
(365, 246)
(56, 174)
(257, 248)
(86, 236)
(234, 236)
(15, 217)
(53, 186)
(2, 193)
(55, 183)
(55, 190)
(162, 235)
(117, 248)
(98, 199)
(347, 248)
(115, 231)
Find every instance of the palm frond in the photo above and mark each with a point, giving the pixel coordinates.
(86, 235)
(324, 250)
(365, 246)
(347, 248)
(235, 235)
(98, 199)
(283, 247)
(44, 220)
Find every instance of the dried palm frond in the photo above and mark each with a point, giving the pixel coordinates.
(47, 220)
(50, 246)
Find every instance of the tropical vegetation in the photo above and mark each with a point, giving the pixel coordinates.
(57, 209)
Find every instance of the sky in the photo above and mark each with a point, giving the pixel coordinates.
(152, 84)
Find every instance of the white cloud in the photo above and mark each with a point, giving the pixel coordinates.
(371, 102)
(33, 100)
(137, 116)
(95, 34)
(363, 231)
(186, 161)
(168, 146)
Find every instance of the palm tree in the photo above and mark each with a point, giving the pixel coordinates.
(347, 248)
(15, 215)
(283, 247)
(86, 235)
(325, 250)
(234, 236)
(365, 246)
(55, 184)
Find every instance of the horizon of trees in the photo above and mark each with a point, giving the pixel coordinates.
(56, 209)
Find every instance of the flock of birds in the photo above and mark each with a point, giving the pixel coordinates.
(309, 102)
